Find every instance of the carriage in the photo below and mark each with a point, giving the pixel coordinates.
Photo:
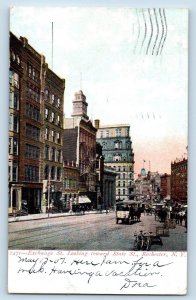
(128, 211)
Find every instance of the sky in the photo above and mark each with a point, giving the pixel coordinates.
(131, 64)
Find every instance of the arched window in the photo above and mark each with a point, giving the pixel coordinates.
(117, 157)
(104, 145)
(117, 145)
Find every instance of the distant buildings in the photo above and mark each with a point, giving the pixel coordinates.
(35, 128)
(118, 154)
(147, 186)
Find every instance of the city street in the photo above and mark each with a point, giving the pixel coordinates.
(97, 231)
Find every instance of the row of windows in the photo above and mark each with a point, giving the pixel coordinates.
(70, 184)
(53, 154)
(33, 93)
(14, 79)
(116, 145)
(13, 171)
(33, 73)
(13, 123)
(52, 117)
(53, 172)
(32, 152)
(13, 146)
(52, 135)
(125, 176)
(15, 57)
(32, 112)
(14, 100)
(122, 192)
(118, 133)
(123, 168)
(32, 132)
(53, 99)
(123, 183)
(31, 173)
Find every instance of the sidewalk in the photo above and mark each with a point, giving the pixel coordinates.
(40, 216)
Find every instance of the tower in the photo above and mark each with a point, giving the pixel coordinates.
(80, 105)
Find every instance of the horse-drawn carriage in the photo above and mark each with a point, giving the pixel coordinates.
(128, 211)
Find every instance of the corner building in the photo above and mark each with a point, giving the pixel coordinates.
(118, 154)
(29, 77)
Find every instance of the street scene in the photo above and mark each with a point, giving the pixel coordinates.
(91, 231)
(98, 149)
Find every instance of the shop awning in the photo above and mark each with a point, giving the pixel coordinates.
(83, 199)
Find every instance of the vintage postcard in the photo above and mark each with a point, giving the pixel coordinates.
(98, 150)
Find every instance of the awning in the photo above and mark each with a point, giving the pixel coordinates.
(83, 199)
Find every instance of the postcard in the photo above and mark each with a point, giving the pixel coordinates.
(98, 150)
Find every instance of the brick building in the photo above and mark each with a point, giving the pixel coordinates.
(179, 173)
(165, 189)
(80, 146)
(29, 79)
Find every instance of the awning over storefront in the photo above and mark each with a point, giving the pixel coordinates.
(83, 199)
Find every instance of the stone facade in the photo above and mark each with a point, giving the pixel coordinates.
(118, 154)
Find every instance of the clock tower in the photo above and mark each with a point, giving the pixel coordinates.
(80, 105)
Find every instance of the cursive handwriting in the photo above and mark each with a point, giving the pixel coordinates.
(131, 273)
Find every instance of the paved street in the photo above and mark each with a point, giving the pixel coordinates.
(88, 232)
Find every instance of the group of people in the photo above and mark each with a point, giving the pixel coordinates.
(179, 217)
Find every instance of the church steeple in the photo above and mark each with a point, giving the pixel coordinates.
(80, 105)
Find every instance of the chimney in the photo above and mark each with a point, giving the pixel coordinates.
(97, 123)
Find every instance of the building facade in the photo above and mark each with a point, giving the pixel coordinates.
(29, 74)
(118, 154)
(179, 173)
(165, 189)
(80, 146)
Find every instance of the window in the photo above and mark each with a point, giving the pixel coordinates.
(58, 173)
(13, 123)
(32, 132)
(117, 157)
(58, 120)
(15, 171)
(123, 183)
(101, 134)
(53, 135)
(46, 172)
(58, 102)
(117, 145)
(124, 169)
(124, 191)
(119, 191)
(53, 173)
(104, 145)
(52, 116)
(15, 146)
(119, 169)
(53, 153)
(46, 113)
(118, 132)
(59, 155)
(32, 112)
(16, 80)
(47, 134)
(52, 98)
(10, 145)
(118, 183)
(32, 152)
(107, 133)
(31, 173)
(47, 150)
(58, 136)
(123, 175)
(16, 101)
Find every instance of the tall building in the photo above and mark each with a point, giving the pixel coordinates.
(118, 154)
(80, 146)
(179, 174)
(30, 80)
(165, 189)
